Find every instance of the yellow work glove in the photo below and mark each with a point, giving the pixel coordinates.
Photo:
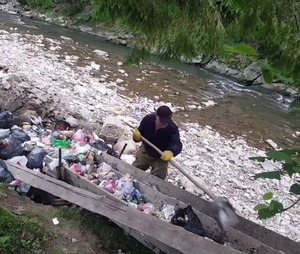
(137, 136)
(166, 155)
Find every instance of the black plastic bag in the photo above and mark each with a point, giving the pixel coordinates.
(19, 134)
(36, 158)
(11, 147)
(187, 219)
(102, 146)
(6, 119)
(5, 175)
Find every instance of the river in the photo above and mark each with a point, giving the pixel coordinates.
(254, 112)
(67, 77)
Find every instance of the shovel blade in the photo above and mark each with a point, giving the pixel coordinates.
(224, 213)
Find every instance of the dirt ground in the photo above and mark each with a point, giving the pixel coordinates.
(69, 237)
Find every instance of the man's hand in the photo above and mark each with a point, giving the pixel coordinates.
(167, 155)
(137, 136)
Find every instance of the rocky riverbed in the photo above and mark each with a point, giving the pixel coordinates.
(61, 79)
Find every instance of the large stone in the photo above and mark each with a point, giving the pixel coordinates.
(15, 79)
(6, 85)
(22, 116)
(72, 121)
(112, 128)
(252, 72)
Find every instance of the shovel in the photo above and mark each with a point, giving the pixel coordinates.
(222, 210)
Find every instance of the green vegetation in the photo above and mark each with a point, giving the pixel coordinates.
(290, 159)
(19, 234)
(187, 29)
(41, 4)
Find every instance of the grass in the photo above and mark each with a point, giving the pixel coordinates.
(24, 234)
(21, 234)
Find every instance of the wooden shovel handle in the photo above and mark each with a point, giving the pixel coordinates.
(175, 164)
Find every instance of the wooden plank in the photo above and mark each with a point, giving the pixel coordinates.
(174, 236)
(239, 241)
(244, 228)
(153, 244)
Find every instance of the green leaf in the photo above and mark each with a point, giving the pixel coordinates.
(259, 207)
(296, 169)
(290, 169)
(260, 159)
(280, 156)
(268, 76)
(269, 175)
(295, 188)
(291, 151)
(264, 213)
(268, 196)
(284, 79)
(241, 48)
(275, 206)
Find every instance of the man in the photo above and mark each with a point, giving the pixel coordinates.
(161, 131)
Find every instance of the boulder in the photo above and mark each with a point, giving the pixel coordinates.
(112, 129)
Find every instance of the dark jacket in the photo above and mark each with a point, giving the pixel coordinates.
(165, 139)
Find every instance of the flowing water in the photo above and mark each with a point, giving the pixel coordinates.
(253, 112)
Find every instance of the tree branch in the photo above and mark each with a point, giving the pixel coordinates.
(289, 207)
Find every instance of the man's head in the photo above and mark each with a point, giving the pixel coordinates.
(164, 115)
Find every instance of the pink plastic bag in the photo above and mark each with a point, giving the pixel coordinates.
(80, 137)
(76, 168)
(111, 186)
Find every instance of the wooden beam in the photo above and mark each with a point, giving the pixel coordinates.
(244, 231)
(238, 240)
(176, 237)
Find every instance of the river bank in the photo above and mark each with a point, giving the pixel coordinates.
(59, 79)
(73, 15)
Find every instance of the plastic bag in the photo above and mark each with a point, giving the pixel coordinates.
(4, 133)
(19, 134)
(135, 197)
(80, 137)
(23, 188)
(168, 212)
(188, 220)
(36, 158)
(5, 175)
(11, 147)
(19, 160)
(6, 119)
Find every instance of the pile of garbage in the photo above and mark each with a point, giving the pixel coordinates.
(35, 147)
(45, 150)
